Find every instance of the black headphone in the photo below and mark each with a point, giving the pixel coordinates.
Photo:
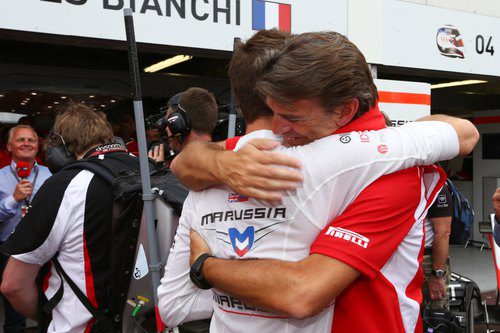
(178, 121)
(57, 156)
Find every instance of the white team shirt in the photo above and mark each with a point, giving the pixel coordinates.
(336, 169)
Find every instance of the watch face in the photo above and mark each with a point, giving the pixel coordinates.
(438, 273)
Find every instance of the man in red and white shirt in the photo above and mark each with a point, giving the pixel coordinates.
(288, 287)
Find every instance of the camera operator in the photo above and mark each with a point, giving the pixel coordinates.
(190, 115)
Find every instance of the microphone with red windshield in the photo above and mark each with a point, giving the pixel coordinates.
(23, 170)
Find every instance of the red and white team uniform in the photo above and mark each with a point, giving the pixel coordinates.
(388, 213)
(336, 169)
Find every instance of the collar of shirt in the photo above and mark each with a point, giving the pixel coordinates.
(261, 134)
(13, 165)
(373, 119)
(10, 210)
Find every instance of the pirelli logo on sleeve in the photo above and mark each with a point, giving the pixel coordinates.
(348, 235)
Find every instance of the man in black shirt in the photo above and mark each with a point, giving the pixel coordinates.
(436, 264)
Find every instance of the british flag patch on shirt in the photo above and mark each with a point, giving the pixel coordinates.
(235, 197)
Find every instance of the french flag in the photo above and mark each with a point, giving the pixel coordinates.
(268, 15)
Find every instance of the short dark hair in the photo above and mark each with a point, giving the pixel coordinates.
(246, 67)
(324, 66)
(201, 108)
(82, 128)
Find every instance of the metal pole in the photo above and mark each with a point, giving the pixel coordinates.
(147, 196)
(231, 126)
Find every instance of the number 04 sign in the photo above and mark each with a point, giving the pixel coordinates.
(482, 46)
(440, 39)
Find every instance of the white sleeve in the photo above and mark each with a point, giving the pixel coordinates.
(434, 140)
(62, 225)
(179, 300)
(338, 167)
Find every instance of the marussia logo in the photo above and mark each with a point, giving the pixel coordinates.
(241, 242)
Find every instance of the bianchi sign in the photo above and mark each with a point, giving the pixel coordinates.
(207, 24)
(228, 12)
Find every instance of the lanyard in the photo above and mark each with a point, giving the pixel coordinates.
(106, 149)
(34, 180)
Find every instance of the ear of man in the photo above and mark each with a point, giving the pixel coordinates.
(347, 111)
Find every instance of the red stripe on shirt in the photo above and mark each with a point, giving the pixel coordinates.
(89, 326)
(89, 277)
(45, 284)
(497, 269)
(231, 142)
(384, 212)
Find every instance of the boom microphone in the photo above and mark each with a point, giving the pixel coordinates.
(23, 169)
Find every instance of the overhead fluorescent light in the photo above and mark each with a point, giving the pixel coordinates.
(456, 83)
(167, 63)
(10, 118)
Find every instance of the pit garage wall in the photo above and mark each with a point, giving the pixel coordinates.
(405, 34)
(208, 24)
(404, 101)
(485, 170)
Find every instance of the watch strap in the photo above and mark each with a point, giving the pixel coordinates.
(195, 273)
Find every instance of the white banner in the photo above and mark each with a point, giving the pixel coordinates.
(404, 101)
(207, 24)
(427, 37)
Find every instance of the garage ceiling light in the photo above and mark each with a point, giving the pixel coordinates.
(456, 83)
(167, 63)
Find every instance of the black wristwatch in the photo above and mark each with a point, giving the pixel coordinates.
(439, 273)
(195, 273)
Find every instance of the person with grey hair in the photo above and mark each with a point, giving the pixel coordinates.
(16, 192)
